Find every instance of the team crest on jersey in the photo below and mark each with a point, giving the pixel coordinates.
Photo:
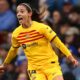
(27, 36)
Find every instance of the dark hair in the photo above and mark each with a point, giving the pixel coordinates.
(28, 8)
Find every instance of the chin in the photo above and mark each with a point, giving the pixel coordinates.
(20, 23)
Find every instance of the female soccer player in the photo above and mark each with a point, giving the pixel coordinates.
(35, 39)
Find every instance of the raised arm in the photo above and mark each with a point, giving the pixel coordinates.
(53, 38)
(59, 44)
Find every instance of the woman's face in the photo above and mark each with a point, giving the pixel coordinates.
(22, 14)
(56, 16)
(69, 39)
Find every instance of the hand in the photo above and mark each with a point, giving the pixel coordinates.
(2, 68)
(73, 60)
(75, 63)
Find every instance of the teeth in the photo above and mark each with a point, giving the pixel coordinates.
(20, 18)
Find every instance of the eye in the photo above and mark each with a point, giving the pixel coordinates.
(22, 11)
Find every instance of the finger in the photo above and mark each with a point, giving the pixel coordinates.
(77, 64)
(2, 68)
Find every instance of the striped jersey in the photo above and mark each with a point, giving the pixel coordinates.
(35, 41)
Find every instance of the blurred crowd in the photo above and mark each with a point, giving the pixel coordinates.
(63, 16)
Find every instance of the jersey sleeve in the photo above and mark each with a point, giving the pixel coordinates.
(15, 43)
(13, 50)
(59, 44)
(48, 32)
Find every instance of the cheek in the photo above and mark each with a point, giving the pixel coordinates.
(17, 14)
(25, 15)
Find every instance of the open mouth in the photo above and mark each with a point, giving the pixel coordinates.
(20, 19)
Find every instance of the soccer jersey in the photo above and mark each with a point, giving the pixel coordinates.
(35, 41)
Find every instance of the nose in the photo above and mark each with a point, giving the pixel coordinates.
(18, 14)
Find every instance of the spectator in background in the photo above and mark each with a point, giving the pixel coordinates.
(69, 42)
(8, 19)
(56, 20)
(76, 41)
(56, 17)
(67, 7)
(69, 39)
(5, 41)
(63, 29)
(3, 37)
(74, 18)
(44, 14)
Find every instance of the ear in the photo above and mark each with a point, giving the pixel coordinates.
(30, 14)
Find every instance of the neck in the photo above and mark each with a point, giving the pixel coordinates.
(27, 24)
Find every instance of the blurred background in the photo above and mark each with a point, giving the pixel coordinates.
(63, 16)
